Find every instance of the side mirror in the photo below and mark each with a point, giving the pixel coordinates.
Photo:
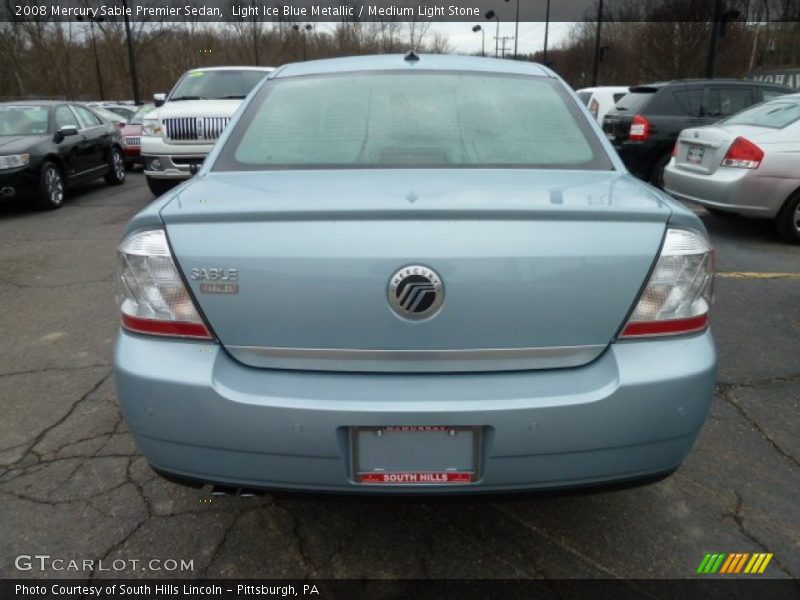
(65, 131)
(159, 99)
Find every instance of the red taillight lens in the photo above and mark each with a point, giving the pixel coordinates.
(677, 297)
(743, 154)
(640, 129)
(153, 297)
(675, 150)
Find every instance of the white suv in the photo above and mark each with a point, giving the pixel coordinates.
(178, 135)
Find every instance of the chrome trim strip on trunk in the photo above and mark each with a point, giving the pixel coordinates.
(416, 361)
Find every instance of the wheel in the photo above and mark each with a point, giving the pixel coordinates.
(657, 174)
(160, 186)
(788, 220)
(116, 168)
(50, 192)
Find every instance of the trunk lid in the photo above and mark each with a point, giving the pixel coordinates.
(545, 264)
(701, 149)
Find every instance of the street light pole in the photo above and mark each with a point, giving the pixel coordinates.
(546, 30)
(476, 29)
(712, 43)
(97, 61)
(489, 16)
(597, 43)
(255, 32)
(137, 99)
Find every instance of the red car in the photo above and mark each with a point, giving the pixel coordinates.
(131, 134)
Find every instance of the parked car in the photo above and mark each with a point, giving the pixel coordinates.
(47, 146)
(110, 117)
(124, 111)
(747, 164)
(178, 135)
(645, 123)
(313, 311)
(599, 100)
(131, 136)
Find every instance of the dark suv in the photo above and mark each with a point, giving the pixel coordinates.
(646, 122)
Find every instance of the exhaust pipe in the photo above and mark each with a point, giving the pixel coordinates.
(7, 191)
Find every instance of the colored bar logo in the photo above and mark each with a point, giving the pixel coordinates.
(734, 563)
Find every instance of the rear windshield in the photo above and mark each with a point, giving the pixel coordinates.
(585, 97)
(215, 85)
(138, 118)
(634, 101)
(421, 119)
(776, 114)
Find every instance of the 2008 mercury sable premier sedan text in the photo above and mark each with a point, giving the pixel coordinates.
(414, 274)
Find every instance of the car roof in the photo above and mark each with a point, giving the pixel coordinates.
(233, 68)
(398, 62)
(36, 102)
(599, 88)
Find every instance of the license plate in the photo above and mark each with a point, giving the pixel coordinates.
(415, 454)
(610, 135)
(695, 154)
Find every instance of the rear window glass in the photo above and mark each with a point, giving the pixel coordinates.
(619, 96)
(421, 119)
(634, 101)
(585, 97)
(776, 114)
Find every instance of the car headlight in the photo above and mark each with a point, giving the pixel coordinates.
(13, 161)
(151, 127)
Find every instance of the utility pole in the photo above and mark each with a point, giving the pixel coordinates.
(255, 32)
(546, 30)
(137, 99)
(516, 31)
(597, 44)
(504, 39)
(712, 43)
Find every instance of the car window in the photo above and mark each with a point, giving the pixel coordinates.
(770, 93)
(412, 120)
(585, 97)
(66, 118)
(635, 101)
(87, 117)
(724, 101)
(776, 114)
(140, 114)
(23, 120)
(202, 85)
(619, 96)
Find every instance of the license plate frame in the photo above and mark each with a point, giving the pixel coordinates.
(364, 440)
(695, 154)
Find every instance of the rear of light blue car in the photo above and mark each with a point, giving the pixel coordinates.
(425, 276)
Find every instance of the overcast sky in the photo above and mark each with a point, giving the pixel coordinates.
(531, 35)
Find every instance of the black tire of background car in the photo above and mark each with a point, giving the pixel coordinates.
(116, 168)
(657, 174)
(788, 220)
(160, 186)
(50, 190)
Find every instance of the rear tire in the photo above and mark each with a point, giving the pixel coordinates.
(657, 174)
(50, 190)
(787, 222)
(160, 186)
(116, 168)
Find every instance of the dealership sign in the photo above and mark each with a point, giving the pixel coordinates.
(788, 77)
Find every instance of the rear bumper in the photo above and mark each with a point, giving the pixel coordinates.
(736, 190)
(198, 414)
(639, 157)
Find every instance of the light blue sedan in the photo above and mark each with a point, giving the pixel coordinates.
(416, 274)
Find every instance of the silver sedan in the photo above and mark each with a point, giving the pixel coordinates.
(747, 164)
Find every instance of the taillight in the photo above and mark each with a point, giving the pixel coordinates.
(640, 129)
(677, 297)
(743, 154)
(153, 298)
(675, 150)
(594, 107)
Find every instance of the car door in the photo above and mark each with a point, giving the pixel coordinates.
(70, 147)
(96, 139)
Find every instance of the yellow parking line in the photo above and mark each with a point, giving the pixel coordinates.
(757, 275)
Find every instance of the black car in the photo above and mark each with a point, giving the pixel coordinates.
(646, 122)
(46, 146)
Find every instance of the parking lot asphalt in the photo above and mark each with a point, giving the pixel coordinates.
(73, 485)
